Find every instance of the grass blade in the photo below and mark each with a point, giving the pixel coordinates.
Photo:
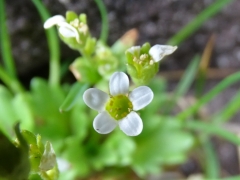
(5, 43)
(209, 129)
(210, 95)
(188, 78)
(204, 65)
(185, 83)
(228, 110)
(232, 178)
(211, 166)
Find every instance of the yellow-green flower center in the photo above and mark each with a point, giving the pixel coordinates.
(119, 106)
(143, 60)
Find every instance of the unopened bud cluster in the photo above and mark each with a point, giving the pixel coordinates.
(42, 158)
(142, 62)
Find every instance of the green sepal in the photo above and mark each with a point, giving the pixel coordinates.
(40, 144)
(22, 108)
(71, 42)
(145, 48)
(29, 137)
(83, 18)
(35, 157)
(140, 65)
(85, 71)
(70, 16)
(131, 69)
(90, 46)
(129, 57)
(107, 63)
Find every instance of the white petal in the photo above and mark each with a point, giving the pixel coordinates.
(48, 159)
(104, 123)
(53, 21)
(67, 30)
(141, 97)
(159, 51)
(95, 99)
(119, 83)
(135, 50)
(63, 165)
(132, 124)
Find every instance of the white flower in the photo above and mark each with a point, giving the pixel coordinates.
(65, 29)
(63, 165)
(157, 52)
(119, 107)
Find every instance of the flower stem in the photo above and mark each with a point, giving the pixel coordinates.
(44, 175)
(5, 43)
(105, 26)
(12, 84)
(53, 44)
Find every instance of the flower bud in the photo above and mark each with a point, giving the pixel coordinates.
(142, 62)
(48, 160)
(73, 30)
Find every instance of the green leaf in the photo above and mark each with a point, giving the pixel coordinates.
(172, 144)
(23, 111)
(43, 101)
(14, 162)
(114, 154)
(7, 113)
(73, 151)
(75, 95)
(46, 101)
(81, 117)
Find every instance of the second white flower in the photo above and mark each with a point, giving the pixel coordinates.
(119, 107)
